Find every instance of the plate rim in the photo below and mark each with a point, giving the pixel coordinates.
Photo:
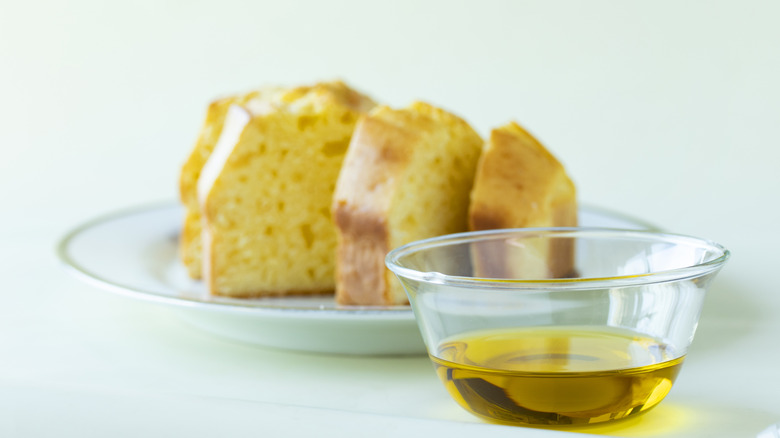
(401, 313)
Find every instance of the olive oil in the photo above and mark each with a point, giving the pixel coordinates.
(556, 375)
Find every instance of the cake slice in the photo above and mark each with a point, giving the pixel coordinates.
(520, 184)
(266, 189)
(407, 176)
(190, 246)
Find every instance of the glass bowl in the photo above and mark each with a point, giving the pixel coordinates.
(557, 326)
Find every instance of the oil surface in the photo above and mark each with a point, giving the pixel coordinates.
(558, 375)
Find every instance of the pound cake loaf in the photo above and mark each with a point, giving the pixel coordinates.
(265, 191)
(520, 184)
(407, 176)
(190, 247)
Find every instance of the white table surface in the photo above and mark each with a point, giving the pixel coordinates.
(668, 111)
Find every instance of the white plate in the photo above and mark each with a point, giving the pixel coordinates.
(134, 253)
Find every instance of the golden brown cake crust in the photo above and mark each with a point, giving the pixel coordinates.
(378, 153)
(520, 184)
(375, 196)
(366, 241)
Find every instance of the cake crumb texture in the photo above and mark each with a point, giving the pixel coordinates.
(265, 198)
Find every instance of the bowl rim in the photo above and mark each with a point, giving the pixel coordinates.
(661, 276)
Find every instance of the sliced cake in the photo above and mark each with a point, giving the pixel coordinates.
(266, 188)
(407, 176)
(190, 248)
(520, 184)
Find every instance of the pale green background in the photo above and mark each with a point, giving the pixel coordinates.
(668, 111)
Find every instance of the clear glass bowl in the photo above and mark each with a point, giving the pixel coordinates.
(557, 326)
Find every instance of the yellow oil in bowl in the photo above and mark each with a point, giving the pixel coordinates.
(556, 375)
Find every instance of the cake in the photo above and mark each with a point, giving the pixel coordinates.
(520, 184)
(305, 190)
(190, 247)
(264, 193)
(407, 176)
